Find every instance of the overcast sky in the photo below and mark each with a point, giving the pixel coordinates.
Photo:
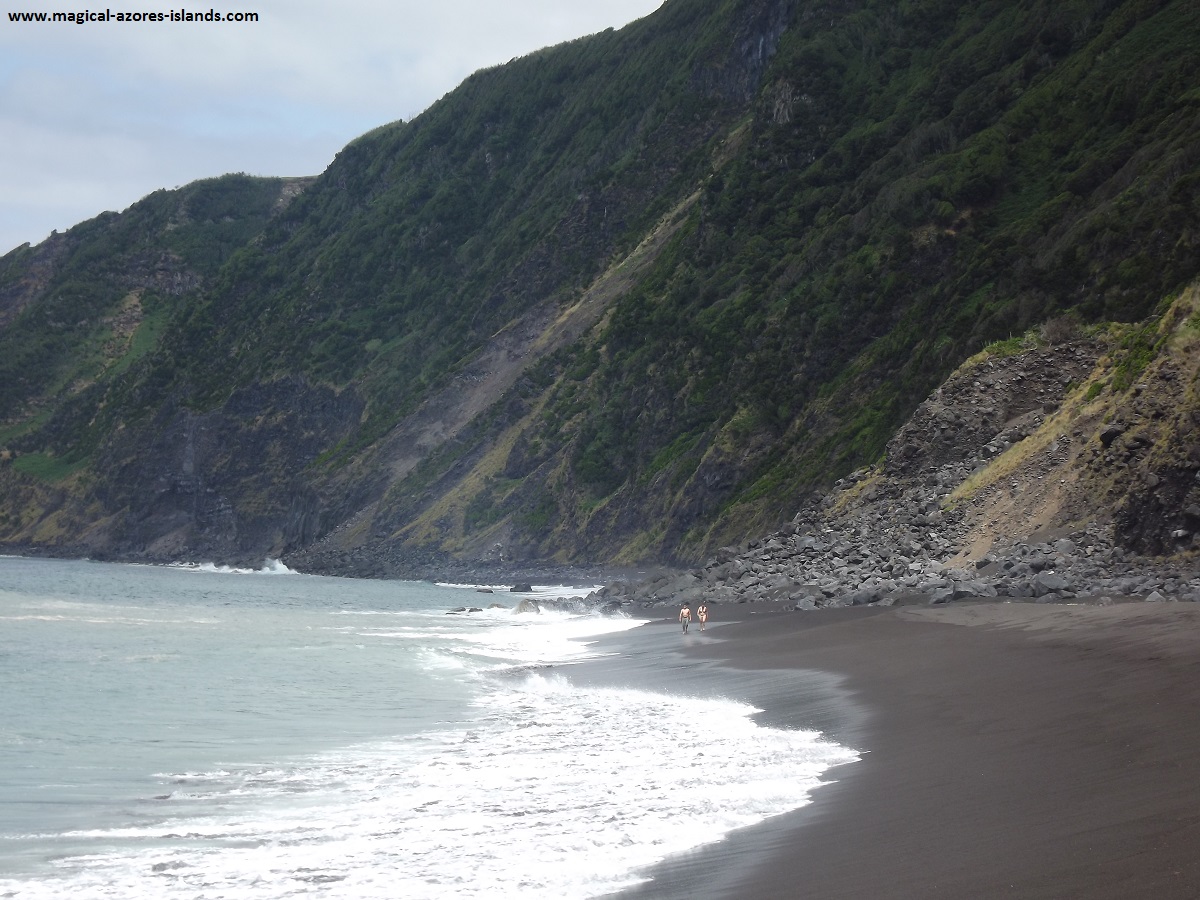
(95, 116)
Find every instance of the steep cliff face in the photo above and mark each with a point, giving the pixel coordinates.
(1093, 428)
(85, 306)
(1064, 464)
(897, 198)
(627, 299)
(226, 483)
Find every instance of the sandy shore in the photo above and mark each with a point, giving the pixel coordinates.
(1009, 749)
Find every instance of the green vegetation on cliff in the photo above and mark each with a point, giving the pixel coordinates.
(625, 298)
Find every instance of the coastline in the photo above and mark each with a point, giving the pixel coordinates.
(1007, 749)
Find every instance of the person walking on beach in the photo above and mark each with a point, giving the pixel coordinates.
(685, 616)
(702, 613)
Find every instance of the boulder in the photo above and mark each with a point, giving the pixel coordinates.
(965, 590)
(862, 597)
(1037, 561)
(941, 595)
(1049, 582)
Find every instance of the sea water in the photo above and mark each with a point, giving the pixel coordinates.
(195, 732)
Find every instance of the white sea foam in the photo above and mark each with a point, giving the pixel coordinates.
(269, 567)
(387, 761)
(554, 791)
(560, 641)
(539, 592)
(553, 636)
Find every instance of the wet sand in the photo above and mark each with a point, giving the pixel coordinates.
(1008, 749)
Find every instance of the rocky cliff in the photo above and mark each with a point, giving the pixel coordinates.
(633, 298)
(1063, 465)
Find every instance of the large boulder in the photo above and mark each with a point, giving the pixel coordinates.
(1049, 583)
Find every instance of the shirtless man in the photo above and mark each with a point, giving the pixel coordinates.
(685, 616)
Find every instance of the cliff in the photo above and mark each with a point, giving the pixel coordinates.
(1061, 465)
(625, 300)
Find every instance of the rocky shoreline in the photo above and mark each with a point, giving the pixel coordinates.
(989, 491)
(1031, 474)
(815, 568)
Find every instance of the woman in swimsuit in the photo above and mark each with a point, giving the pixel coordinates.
(702, 614)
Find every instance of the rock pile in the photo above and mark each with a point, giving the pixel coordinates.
(822, 567)
(890, 535)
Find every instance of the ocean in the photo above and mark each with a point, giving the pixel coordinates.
(196, 732)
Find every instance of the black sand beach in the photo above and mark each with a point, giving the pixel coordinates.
(1009, 749)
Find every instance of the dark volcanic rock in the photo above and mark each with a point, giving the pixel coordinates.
(887, 535)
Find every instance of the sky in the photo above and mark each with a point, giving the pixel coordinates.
(94, 116)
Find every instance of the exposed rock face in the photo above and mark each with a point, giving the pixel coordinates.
(628, 299)
(999, 486)
(212, 476)
(751, 48)
(19, 293)
(996, 405)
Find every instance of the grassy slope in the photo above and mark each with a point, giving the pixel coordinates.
(89, 304)
(914, 184)
(897, 186)
(425, 238)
